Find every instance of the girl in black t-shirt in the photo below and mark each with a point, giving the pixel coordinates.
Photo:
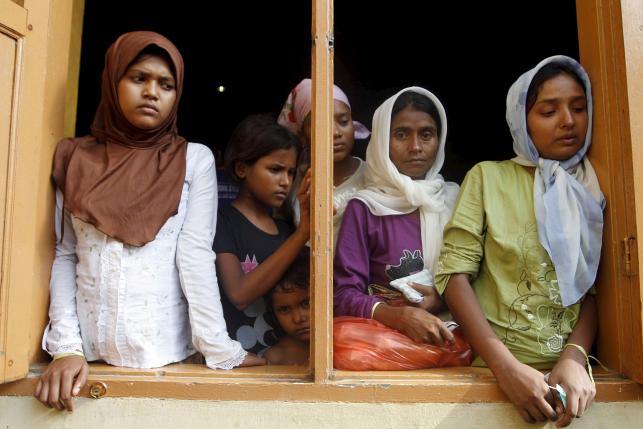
(253, 249)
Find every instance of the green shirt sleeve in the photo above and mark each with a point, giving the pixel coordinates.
(463, 246)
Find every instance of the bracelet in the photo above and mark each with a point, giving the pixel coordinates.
(374, 307)
(66, 354)
(587, 356)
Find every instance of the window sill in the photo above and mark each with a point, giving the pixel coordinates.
(290, 383)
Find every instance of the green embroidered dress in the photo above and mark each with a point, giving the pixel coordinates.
(493, 236)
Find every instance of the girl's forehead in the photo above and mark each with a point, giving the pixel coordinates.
(293, 292)
(281, 153)
(153, 60)
(340, 107)
(411, 114)
(555, 85)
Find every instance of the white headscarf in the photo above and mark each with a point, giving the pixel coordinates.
(389, 192)
(567, 198)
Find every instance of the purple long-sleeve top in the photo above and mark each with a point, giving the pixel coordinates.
(372, 250)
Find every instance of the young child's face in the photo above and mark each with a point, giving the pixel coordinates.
(292, 310)
(414, 142)
(343, 131)
(269, 179)
(147, 92)
(557, 122)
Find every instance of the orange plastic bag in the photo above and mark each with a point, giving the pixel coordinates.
(366, 344)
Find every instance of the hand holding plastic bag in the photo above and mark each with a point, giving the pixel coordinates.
(366, 344)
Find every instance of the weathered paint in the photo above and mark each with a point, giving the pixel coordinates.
(273, 383)
(117, 413)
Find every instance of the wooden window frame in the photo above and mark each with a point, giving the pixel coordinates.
(599, 25)
(609, 42)
(37, 122)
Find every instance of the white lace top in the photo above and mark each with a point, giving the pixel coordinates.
(146, 306)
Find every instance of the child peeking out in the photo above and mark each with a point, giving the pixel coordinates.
(289, 301)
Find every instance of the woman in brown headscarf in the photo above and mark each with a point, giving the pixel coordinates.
(133, 281)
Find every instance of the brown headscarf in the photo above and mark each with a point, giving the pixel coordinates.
(123, 180)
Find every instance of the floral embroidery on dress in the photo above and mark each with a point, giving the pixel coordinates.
(551, 321)
(555, 343)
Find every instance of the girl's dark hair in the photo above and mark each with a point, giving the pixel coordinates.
(549, 71)
(296, 277)
(420, 103)
(156, 51)
(255, 137)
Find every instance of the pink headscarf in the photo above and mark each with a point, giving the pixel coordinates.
(297, 107)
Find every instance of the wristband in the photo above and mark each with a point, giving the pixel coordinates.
(66, 354)
(374, 307)
(589, 366)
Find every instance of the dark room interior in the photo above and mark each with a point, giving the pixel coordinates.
(468, 55)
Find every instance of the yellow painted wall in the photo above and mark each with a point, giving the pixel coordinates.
(121, 413)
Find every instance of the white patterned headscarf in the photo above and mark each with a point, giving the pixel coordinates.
(298, 106)
(567, 198)
(389, 192)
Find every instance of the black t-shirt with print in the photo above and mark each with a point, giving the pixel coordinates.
(252, 327)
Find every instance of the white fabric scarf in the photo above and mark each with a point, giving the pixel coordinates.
(389, 192)
(568, 202)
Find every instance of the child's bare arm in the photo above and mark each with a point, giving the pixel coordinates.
(303, 196)
(523, 385)
(288, 352)
(275, 355)
(243, 289)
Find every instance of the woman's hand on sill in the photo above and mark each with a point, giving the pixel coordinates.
(252, 359)
(571, 374)
(61, 381)
(527, 390)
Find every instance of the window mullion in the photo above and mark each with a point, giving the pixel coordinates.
(322, 190)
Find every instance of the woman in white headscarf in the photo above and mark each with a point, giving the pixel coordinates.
(521, 253)
(392, 229)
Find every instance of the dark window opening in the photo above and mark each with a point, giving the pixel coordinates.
(468, 55)
(258, 51)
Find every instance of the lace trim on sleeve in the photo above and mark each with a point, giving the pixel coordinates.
(230, 363)
(66, 348)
